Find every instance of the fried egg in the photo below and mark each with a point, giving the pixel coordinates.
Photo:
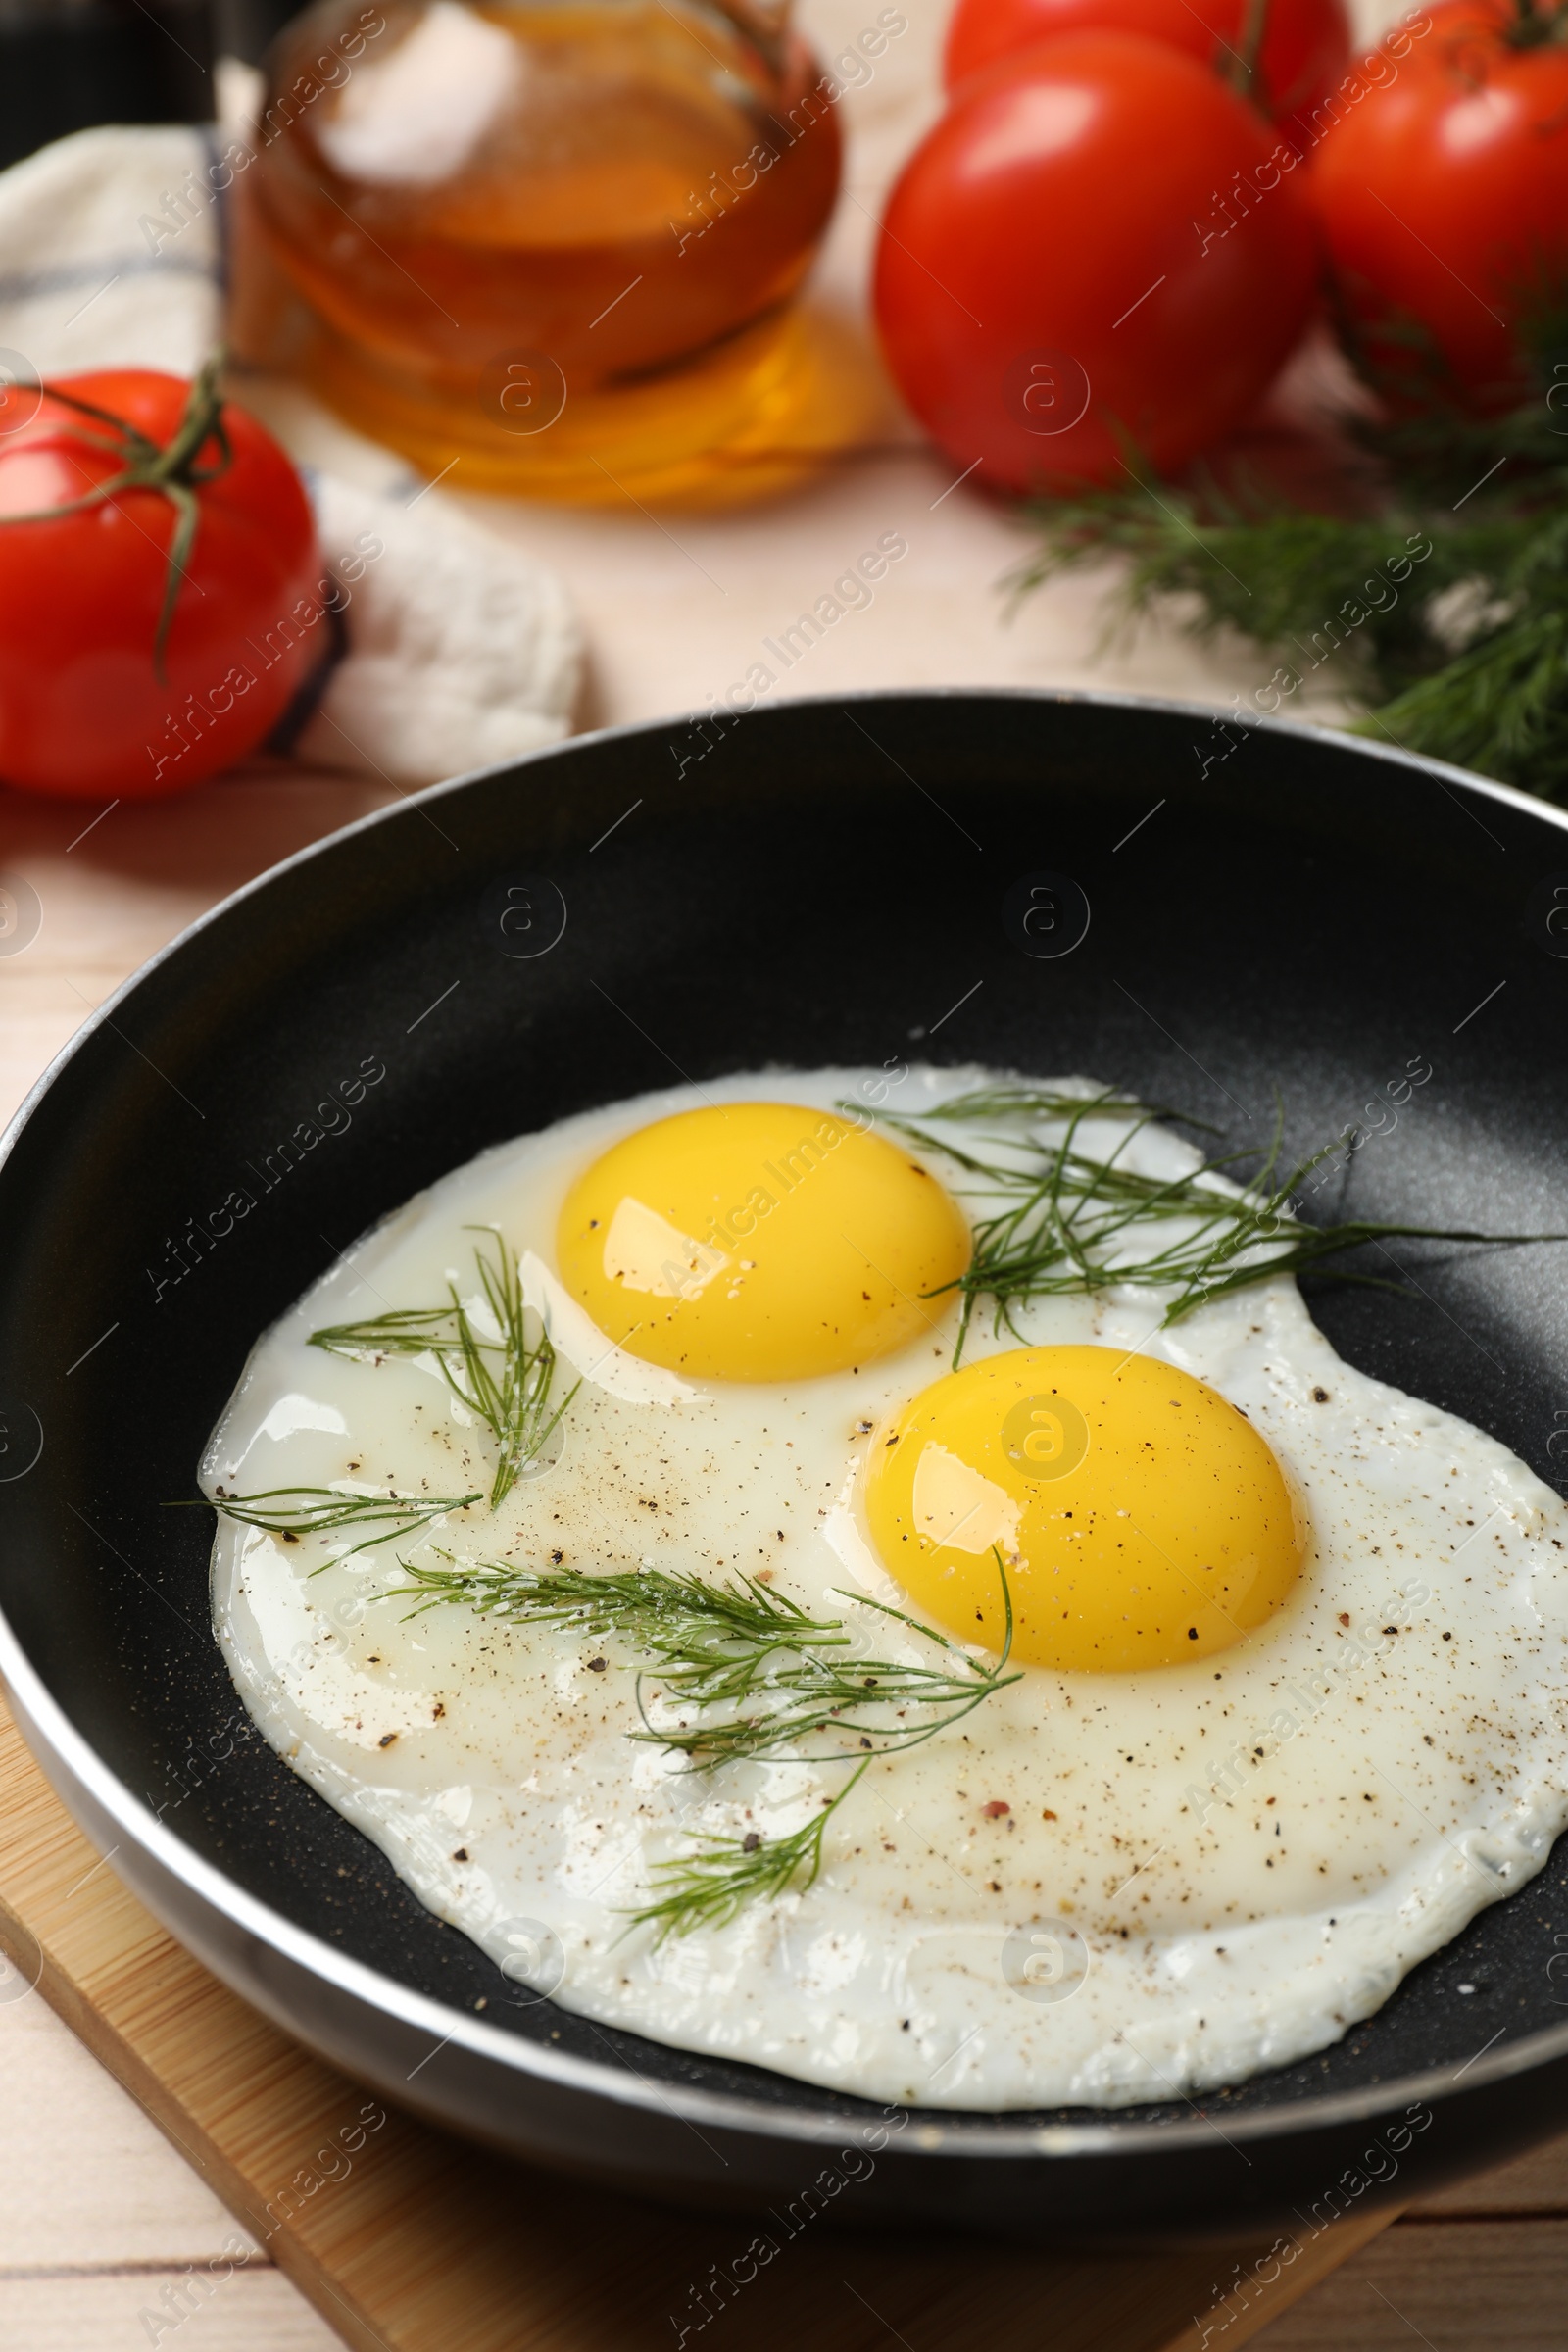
(1289, 1692)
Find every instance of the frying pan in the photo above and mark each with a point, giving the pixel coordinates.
(1203, 911)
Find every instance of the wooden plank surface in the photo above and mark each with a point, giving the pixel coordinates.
(410, 2241)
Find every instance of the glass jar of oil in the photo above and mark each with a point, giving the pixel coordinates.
(553, 241)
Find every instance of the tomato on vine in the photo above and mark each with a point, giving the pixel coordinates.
(1302, 52)
(1100, 250)
(1443, 197)
(159, 588)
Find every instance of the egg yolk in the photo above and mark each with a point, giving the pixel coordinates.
(759, 1241)
(1141, 1518)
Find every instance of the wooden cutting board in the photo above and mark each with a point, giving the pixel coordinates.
(408, 2241)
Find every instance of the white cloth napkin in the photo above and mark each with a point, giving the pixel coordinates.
(461, 651)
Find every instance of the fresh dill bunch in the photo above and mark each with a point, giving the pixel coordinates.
(1271, 574)
(716, 1649)
(712, 1884)
(507, 1380)
(1500, 706)
(1072, 1222)
(295, 1511)
(1440, 601)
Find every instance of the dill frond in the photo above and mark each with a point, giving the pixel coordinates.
(664, 1614)
(295, 1511)
(1499, 707)
(507, 1380)
(1071, 1222)
(712, 1884)
(1011, 1102)
(1439, 604)
(820, 1697)
(714, 1649)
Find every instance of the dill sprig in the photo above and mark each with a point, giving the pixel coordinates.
(712, 1884)
(819, 1696)
(1014, 1100)
(715, 1648)
(507, 1380)
(707, 1885)
(1436, 600)
(1072, 1222)
(665, 1614)
(295, 1511)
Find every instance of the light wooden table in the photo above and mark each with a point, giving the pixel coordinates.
(98, 2215)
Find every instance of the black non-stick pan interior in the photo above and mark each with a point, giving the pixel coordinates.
(1273, 918)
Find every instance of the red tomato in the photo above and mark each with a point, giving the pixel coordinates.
(1067, 261)
(83, 709)
(1444, 191)
(1304, 52)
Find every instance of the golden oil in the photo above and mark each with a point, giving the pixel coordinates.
(558, 243)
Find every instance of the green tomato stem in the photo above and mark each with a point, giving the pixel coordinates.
(172, 469)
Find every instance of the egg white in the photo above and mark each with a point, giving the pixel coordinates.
(1237, 1859)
